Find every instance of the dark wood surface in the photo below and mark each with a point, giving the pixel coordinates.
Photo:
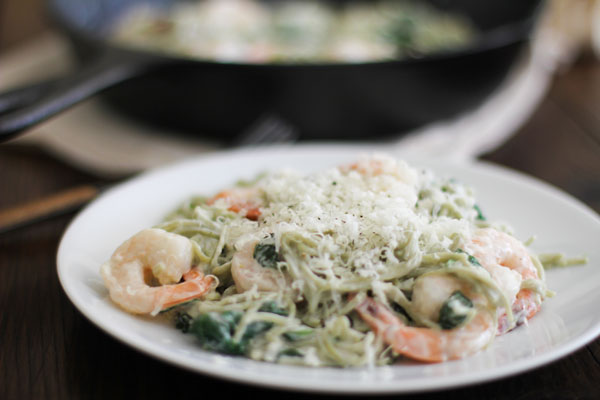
(21, 20)
(48, 350)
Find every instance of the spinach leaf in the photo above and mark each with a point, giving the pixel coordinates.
(290, 352)
(254, 329)
(471, 258)
(232, 318)
(183, 322)
(273, 307)
(294, 336)
(480, 216)
(401, 33)
(266, 255)
(455, 310)
(215, 332)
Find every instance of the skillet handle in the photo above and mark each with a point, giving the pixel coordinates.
(24, 107)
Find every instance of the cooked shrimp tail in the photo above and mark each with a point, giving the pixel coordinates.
(526, 305)
(195, 285)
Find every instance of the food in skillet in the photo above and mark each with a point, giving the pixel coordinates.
(355, 265)
(294, 31)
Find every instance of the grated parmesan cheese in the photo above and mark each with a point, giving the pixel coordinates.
(360, 215)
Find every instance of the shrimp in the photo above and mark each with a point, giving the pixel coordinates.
(432, 344)
(376, 166)
(143, 274)
(243, 201)
(385, 174)
(247, 272)
(509, 263)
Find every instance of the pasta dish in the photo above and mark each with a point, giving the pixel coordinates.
(356, 265)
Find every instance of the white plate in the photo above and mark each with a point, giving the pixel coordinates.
(566, 322)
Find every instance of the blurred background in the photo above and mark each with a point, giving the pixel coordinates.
(542, 119)
(437, 103)
(471, 103)
(21, 20)
(476, 98)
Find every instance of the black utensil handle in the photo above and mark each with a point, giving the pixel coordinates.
(22, 108)
(19, 97)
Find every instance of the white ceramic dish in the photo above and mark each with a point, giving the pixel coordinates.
(566, 322)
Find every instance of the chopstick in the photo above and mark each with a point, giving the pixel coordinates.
(50, 206)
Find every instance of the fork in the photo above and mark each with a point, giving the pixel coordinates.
(267, 129)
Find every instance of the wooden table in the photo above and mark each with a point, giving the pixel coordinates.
(49, 350)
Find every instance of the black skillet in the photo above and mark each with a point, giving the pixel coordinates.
(321, 101)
